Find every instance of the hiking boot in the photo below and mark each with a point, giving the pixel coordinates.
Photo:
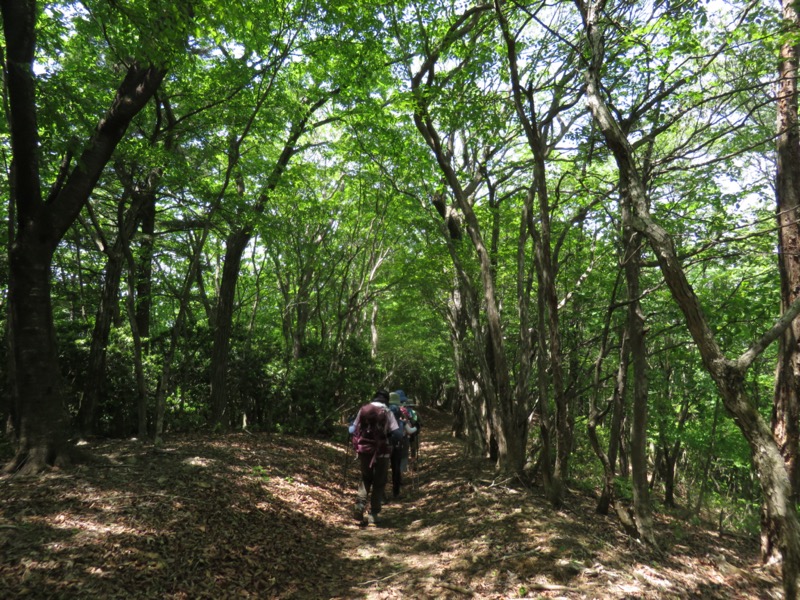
(372, 520)
(358, 512)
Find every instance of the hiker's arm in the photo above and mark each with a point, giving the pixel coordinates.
(354, 425)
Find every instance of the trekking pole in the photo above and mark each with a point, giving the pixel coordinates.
(346, 462)
(412, 466)
(415, 477)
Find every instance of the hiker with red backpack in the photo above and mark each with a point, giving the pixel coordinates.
(375, 430)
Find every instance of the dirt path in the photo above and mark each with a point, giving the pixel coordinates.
(269, 516)
(462, 534)
(413, 550)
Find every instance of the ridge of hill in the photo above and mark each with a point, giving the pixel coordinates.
(269, 516)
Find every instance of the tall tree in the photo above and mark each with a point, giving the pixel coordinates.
(786, 395)
(542, 135)
(41, 222)
(786, 405)
(728, 374)
(463, 160)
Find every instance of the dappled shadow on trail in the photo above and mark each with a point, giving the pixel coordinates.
(260, 516)
(464, 532)
(229, 516)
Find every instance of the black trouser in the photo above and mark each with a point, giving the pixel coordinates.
(397, 457)
(373, 479)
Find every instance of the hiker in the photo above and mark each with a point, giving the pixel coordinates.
(411, 417)
(374, 430)
(399, 457)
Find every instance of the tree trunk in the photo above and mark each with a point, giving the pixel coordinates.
(608, 460)
(671, 452)
(138, 363)
(786, 405)
(235, 245)
(163, 389)
(670, 461)
(144, 270)
(727, 374)
(546, 258)
(43, 426)
(234, 249)
(109, 302)
(618, 408)
(636, 333)
(96, 367)
(553, 486)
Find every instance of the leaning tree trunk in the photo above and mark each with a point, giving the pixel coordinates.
(728, 375)
(235, 246)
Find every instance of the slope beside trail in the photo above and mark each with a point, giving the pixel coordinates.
(270, 516)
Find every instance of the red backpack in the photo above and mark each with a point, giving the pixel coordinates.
(370, 435)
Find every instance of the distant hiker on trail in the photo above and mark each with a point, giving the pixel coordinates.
(399, 458)
(374, 430)
(414, 424)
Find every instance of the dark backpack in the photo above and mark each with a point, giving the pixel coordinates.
(370, 434)
(401, 421)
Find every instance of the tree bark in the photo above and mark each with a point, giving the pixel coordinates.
(727, 374)
(786, 404)
(43, 424)
(234, 249)
(638, 347)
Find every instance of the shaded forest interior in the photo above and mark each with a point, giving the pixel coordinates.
(573, 226)
(268, 516)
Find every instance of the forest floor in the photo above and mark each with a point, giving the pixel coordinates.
(270, 516)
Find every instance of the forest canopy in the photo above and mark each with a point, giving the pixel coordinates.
(573, 224)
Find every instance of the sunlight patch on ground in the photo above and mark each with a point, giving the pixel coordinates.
(198, 461)
(647, 575)
(91, 527)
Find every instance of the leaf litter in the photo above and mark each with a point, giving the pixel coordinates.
(269, 516)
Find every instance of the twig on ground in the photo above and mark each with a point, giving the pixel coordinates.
(395, 574)
(548, 587)
(457, 588)
(517, 554)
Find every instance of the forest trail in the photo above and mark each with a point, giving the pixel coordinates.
(462, 533)
(270, 516)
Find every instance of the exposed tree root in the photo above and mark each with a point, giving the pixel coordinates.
(33, 460)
